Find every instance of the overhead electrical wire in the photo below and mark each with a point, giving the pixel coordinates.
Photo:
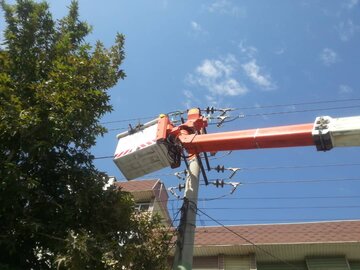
(300, 166)
(298, 104)
(247, 108)
(282, 232)
(302, 111)
(292, 220)
(283, 207)
(300, 181)
(285, 112)
(242, 116)
(287, 198)
(127, 120)
(221, 198)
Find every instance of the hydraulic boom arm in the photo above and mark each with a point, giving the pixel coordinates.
(325, 133)
(159, 143)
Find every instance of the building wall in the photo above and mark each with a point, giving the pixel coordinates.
(156, 208)
(222, 262)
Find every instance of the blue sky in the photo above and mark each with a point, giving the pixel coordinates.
(222, 53)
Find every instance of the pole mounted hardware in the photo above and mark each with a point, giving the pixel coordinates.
(160, 143)
(219, 168)
(181, 175)
(221, 183)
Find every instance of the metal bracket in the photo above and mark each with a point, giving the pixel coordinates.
(321, 133)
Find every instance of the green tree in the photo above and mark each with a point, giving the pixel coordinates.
(54, 212)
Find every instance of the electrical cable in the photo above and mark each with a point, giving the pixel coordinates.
(301, 181)
(298, 104)
(104, 157)
(280, 198)
(241, 108)
(286, 112)
(245, 115)
(309, 181)
(292, 220)
(127, 120)
(283, 207)
(323, 233)
(295, 181)
(248, 241)
(301, 167)
(302, 111)
(141, 118)
(227, 197)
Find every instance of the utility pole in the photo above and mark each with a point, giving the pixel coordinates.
(183, 258)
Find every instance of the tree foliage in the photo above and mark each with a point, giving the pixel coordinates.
(54, 212)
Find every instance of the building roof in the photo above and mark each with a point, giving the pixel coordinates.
(324, 232)
(137, 185)
(287, 241)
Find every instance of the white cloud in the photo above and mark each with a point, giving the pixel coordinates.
(352, 3)
(347, 29)
(329, 57)
(217, 76)
(249, 51)
(190, 100)
(196, 26)
(210, 69)
(253, 71)
(197, 29)
(280, 51)
(226, 7)
(345, 89)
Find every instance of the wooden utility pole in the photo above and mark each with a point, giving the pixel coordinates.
(183, 258)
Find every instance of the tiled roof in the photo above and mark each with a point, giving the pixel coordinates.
(319, 232)
(137, 185)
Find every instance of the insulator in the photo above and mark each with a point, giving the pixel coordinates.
(210, 110)
(219, 182)
(219, 168)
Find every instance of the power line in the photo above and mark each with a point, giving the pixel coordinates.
(286, 112)
(254, 107)
(293, 181)
(301, 167)
(305, 110)
(127, 120)
(220, 198)
(298, 104)
(243, 115)
(282, 207)
(104, 157)
(247, 240)
(285, 232)
(266, 168)
(117, 129)
(287, 198)
(287, 220)
(300, 181)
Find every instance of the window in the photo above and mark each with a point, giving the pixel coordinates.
(142, 207)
